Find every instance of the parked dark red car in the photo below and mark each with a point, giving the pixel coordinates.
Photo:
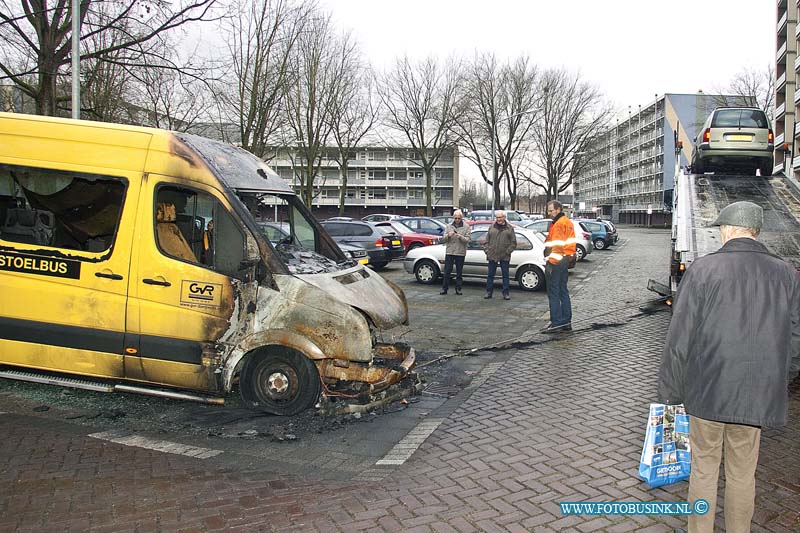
(411, 239)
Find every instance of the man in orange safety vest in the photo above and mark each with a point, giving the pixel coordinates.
(559, 251)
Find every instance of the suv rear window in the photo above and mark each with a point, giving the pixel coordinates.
(739, 118)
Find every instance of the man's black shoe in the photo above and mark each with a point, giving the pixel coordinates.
(488, 295)
(566, 327)
(442, 292)
(458, 291)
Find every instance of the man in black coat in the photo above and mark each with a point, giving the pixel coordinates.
(734, 331)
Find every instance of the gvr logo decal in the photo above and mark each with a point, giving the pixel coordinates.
(202, 290)
(201, 293)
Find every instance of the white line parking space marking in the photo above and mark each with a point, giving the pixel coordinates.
(157, 445)
(404, 449)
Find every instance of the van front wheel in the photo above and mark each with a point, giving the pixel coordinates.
(282, 383)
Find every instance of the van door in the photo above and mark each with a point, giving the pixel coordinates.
(185, 285)
(65, 237)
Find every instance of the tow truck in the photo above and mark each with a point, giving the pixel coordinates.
(697, 200)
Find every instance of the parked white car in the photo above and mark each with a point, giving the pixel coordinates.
(527, 261)
(583, 239)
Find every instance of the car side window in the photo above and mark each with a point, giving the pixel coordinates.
(523, 243)
(333, 229)
(477, 240)
(194, 226)
(542, 226)
(362, 230)
(71, 210)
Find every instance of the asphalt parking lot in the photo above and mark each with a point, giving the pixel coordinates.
(497, 439)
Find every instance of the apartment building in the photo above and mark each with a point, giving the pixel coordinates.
(380, 179)
(629, 177)
(787, 99)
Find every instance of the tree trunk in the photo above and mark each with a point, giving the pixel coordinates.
(343, 189)
(428, 192)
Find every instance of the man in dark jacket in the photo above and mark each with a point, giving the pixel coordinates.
(500, 242)
(735, 329)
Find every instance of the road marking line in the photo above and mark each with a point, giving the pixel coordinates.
(404, 449)
(158, 445)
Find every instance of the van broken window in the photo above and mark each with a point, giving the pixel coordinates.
(44, 207)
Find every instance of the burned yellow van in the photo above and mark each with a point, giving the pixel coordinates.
(133, 256)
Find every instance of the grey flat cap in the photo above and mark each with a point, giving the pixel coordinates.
(743, 214)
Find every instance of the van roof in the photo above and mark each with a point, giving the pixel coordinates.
(235, 167)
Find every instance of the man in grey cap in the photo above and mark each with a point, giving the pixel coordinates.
(734, 331)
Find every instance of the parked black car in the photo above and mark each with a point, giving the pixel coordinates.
(381, 243)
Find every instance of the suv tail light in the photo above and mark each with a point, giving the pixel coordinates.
(379, 242)
(770, 137)
(707, 135)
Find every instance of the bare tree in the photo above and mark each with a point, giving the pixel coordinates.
(353, 115)
(469, 195)
(37, 38)
(321, 60)
(422, 102)
(260, 37)
(503, 102)
(573, 113)
(755, 88)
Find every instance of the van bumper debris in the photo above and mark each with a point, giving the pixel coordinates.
(351, 386)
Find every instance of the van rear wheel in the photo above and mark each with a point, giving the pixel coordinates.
(281, 383)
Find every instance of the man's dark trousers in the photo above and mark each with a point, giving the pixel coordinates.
(560, 306)
(492, 271)
(449, 261)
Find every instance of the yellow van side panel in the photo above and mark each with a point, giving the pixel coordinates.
(58, 358)
(184, 375)
(76, 143)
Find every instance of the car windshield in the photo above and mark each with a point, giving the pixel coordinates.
(294, 234)
(739, 118)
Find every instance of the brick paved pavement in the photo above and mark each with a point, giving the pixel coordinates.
(553, 420)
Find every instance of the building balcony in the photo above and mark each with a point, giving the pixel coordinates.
(779, 56)
(780, 110)
(781, 81)
(782, 23)
(779, 139)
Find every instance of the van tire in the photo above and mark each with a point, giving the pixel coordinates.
(281, 383)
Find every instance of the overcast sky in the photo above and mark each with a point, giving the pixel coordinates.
(632, 49)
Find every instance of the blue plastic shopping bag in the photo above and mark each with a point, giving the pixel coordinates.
(666, 456)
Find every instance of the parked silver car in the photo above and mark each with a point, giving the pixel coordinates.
(734, 138)
(583, 239)
(527, 261)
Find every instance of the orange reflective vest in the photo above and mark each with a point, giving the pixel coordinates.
(560, 240)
